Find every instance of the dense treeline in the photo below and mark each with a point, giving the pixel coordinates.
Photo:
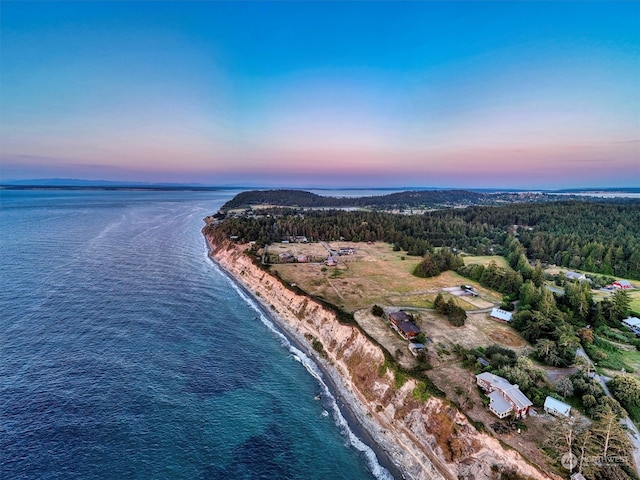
(591, 236)
(434, 264)
(597, 237)
(455, 313)
(399, 200)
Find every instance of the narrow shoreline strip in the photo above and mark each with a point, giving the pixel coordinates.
(339, 392)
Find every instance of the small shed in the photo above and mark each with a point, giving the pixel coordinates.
(501, 314)
(556, 407)
(483, 362)
(416, 348)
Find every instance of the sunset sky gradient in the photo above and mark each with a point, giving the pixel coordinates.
(433, 94)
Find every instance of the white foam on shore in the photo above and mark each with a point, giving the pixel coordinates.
(374, 466)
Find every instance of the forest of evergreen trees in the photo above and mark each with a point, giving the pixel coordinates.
(592, 236)
(400, 200)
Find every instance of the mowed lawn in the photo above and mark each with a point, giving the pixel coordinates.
(375, 274)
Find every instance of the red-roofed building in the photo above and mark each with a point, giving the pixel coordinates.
(622, 284)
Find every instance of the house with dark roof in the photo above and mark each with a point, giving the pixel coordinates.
(398, 317)
(408, 330)
(483, 362)
(401, 323)
(504, 397)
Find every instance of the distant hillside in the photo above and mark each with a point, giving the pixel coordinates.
(401, 200)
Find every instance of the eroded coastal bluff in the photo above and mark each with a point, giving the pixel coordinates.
(425, 439)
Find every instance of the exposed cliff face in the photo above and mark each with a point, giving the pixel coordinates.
(429, 440)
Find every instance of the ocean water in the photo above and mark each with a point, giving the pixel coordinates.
(126, 354)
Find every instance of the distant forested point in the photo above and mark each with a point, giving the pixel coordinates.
(400, 200)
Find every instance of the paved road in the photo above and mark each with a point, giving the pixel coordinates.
(634, 435)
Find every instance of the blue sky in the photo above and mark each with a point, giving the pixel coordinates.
(466, 94)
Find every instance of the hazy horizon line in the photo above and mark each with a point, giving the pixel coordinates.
(57, 182)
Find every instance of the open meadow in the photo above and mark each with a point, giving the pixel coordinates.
(485, 260)
(373, 274)
(635, 301)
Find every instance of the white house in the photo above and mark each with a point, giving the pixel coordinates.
(633, 324)
(501, 314)
(556, 407)
(574, 276)
(505, 398)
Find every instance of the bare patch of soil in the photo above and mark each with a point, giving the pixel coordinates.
(479, 330)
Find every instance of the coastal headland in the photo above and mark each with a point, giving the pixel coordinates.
(425, 438)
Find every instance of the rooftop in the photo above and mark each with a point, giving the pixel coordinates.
(633, 321)
(512, 391)
(498, 403)
(557, 405)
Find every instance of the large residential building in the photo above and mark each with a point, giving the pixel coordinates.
(505, 398)
(401, 323)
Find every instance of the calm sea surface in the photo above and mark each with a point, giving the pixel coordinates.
(126, 354)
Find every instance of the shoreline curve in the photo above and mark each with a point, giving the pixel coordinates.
(330, 379)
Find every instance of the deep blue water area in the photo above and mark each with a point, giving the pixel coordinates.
(126, 353)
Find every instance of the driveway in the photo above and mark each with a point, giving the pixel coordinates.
(633, 433)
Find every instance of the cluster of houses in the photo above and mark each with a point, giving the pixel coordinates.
(332, 259)
(616, 285)
(296, 239)
(288, 258)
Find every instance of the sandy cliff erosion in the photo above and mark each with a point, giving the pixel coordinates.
(427, 440)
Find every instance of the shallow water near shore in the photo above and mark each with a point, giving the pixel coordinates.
(126, 354)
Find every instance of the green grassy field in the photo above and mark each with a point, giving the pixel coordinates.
(485, 260)
(635, 301)
(632, 358)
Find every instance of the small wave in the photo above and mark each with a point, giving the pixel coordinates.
(312, 368)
